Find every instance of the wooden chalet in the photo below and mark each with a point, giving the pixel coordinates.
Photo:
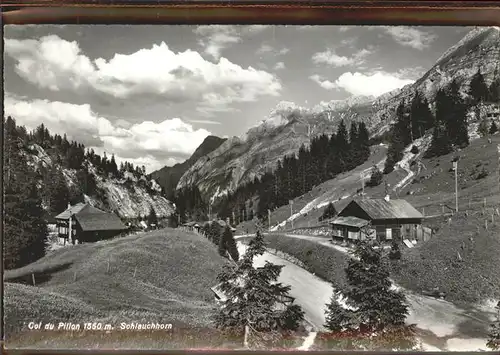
(380, 219)
(85, 223)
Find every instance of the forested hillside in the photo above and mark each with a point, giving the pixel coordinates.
(45, 172)
(293, 176)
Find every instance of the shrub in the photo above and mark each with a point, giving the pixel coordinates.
(329, 212)
(414, 150)
(376, 177)
(482, 174)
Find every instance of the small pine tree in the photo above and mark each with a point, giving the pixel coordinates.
(373, 307)
(478, 90)
(494, 334)
(229, 244)
(173, 220)
(329, 212)
(376, 177)
(493, 128)
(482, 128)
(253, 295)
(152, 217)
(395, 253)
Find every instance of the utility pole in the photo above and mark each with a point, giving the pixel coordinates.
(269, 219)
(291, 211)
(455, 166)
(363, 183)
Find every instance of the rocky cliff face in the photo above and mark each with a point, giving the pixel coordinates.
(128, 197)
(169, 176)
(239, 160)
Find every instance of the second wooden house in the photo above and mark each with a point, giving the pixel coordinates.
(380, 219)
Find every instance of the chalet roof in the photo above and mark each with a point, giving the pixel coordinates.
(92, 219)
(71, 210)
(350, 221)
(392, 209)
(99, 222)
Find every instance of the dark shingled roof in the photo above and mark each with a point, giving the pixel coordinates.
(73, 210)
(392, 209)
(350, 221)
(93, 219)
(100, 222)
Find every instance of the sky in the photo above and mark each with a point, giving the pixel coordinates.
(152, 94)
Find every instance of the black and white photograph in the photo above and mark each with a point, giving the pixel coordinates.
(259, 187)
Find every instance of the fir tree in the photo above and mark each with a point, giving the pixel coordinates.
(456, 117)
(253, 295)
(440, 143)
(364, 138)
(482, 128)
(478, 90)
(494, 91)
(400, 137)
(227, 244)
(421, 115)
(152, 217)
(25, 231)
(329, 212)
(374, 311)
(494, 334)
(57, 191)
(376, 177)
(173, 219)
(113, 168)
(395, 253)
(493, 128)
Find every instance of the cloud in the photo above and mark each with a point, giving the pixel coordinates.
(266, 48)
(204, 122)
(56, 64)
(324, 83)
(331, 58)
(255, 29)
(215, 38)
(410, 36)
(284, 51)
(279, 66)
(146, 141)
(308, 27)
(374, 84)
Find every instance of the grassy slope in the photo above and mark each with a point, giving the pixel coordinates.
(433, 263)
(175, 271)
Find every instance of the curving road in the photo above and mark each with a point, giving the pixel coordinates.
(444, 325)
(309, 291)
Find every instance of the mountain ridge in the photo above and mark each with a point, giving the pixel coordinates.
(241, 159)
(168, 176)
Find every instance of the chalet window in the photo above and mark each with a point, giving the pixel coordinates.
(388, 233)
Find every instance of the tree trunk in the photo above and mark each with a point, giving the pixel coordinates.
(245, 340)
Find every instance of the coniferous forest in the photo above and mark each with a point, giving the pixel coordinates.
(325, 158)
